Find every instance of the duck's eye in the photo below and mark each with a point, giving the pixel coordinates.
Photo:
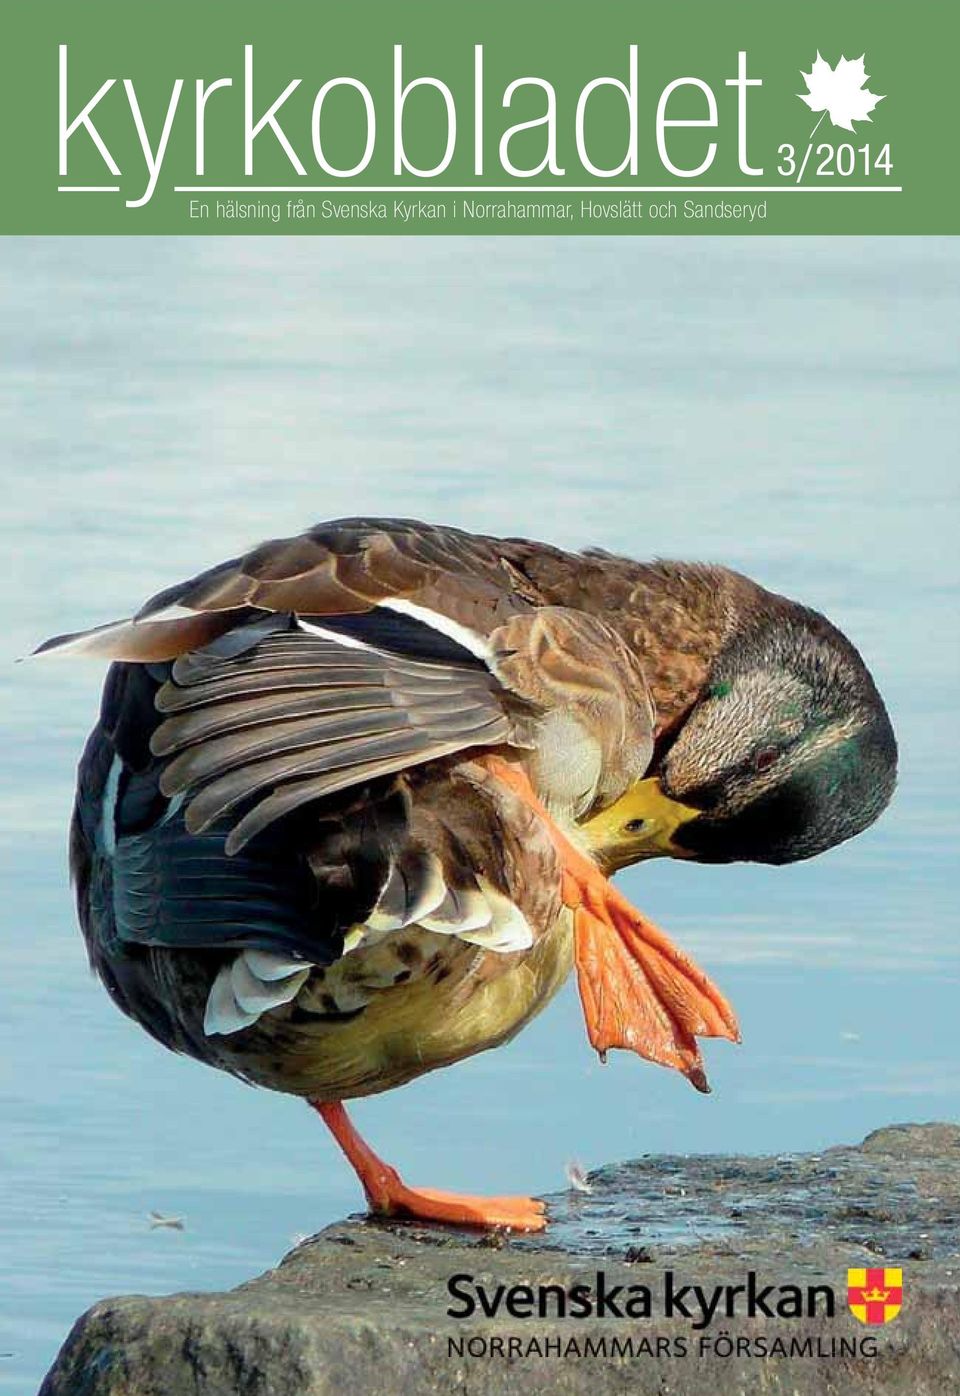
(764, 759)
(635, 826)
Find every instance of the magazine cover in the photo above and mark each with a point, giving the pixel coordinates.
(478, 861)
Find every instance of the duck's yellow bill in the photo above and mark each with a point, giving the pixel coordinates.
(641, 824)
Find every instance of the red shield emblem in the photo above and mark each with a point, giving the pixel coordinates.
(875, 1295)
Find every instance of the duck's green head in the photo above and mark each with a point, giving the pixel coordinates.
(787, 751)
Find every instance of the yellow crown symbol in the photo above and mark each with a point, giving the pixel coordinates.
(875, 1295)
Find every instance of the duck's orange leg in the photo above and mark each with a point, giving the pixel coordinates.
(637, 989)
(389, 1196)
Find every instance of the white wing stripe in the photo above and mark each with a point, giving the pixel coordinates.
(175, 612)
(452, 629)
(349, 642)
(108, 813)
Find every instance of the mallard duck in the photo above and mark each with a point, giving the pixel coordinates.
(353, 799)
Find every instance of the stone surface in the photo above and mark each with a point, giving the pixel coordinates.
(362, 1307)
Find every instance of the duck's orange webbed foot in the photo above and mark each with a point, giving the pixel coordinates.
(637, 989)
(388, 1195)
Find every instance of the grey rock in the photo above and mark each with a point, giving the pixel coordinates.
(363, 1306)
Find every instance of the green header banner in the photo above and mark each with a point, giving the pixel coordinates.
(502, 117)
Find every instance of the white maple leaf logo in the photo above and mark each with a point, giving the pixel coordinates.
(839, 92)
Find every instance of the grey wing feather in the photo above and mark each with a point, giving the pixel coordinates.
(226, 716)
(298, 793)
(299, 716)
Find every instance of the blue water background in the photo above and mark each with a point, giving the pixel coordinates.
(789, 407)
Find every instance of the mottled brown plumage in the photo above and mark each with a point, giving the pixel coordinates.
(343, 818)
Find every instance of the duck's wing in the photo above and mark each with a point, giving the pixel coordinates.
(307, 711)
(363, 648)
(460, 584)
